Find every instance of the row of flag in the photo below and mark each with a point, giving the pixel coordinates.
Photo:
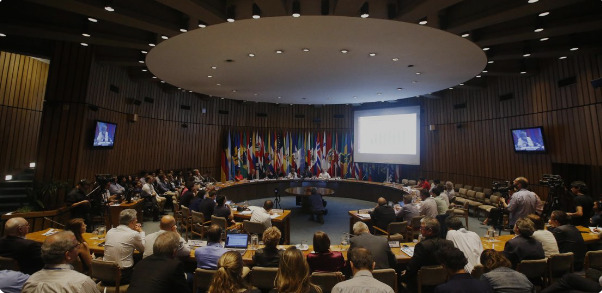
(280, 152)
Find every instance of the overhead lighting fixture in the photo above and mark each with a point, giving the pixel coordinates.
(231, 13)
(461, 84)
(109, 5)
(109, 8)
(544, 39)
(87, 35)
(527, 55)
(485, 71)
(164, 37)
(202, 24)
(465, 35)
(84, 44)
(92, 19)
(154, 77)
(251, 55)
(305, 50)
(183, 30)
(418, 73)
(546, 13)
(399, 88)
(395, 59)
(490, 61)
(423, 21)
(213, 67)
(486, 49)
(143, 52)
(478, 76)
(141, 61)
(451, 88)
(296, 8)
(8, 177)
(151, 44)
(209, 76)
(163, 81)
(2, 35)
(372, 54)
(574, 48)
(32, 165)
(365, 10)
(256, 11)
(279, 51)
(218, 84)
(523, 72)
(233, 91)
(538, 30)
(532, 1)
(562, 57)
(144, 70)
(344, 51)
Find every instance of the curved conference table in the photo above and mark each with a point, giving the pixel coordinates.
(264, 188)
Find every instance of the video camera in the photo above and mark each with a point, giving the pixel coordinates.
(552, 181)
(501, 186)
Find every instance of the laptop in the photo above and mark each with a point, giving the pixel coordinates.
(237, 242)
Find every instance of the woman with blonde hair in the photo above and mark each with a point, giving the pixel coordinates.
(228, 277)
(78, 227)
(293, 273)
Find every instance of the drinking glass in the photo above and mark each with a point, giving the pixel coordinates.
(254, 241)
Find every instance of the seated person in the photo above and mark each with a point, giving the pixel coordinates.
(550, 246)
(121, 241)
(568, 237)
(262, 215)
(459, 281)
(322, 259)
(78, 201)
(78, 227)
(317, 205)
(12, 281)
(500, 276)
(378, 246)
(230, 275)
(523, 246)
(362, 264)
(207, 205)
(293, 273)
(238, 177)
(382, 214)
(408, 210)
(324, 175)
(293, 174)
(223, 209)
(14, 245)
(207, 256)
(195, 203)
(270, 255)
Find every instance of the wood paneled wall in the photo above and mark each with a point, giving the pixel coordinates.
(22, 89)
(474, 145)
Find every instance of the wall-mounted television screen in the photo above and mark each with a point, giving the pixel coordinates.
(104, 134)
(529, 140)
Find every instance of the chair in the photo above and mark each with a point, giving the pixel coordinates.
(468, 187)
(431, 276)
(478, 201)
(593, 259)
(198, 224)
(493, 203)
(202, 280)
(414, 228)
(487, 191)
(253, 227)
(177, 212)
(7, 263)
(458, 186)
(186, 220)
(326, 280)
(220, 221)
(411, 182)
(404, 181)
(477, 271)
(560, 264)
(477, 189)
(387, 276)
(395, 231)
(107, 272)
(263, 277)
(460, 212)
(534, 270)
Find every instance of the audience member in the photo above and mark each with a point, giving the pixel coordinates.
(188, 195)
(269, 256)
(547, 239)
(160, 272)
(167, 224)
(322, 259)
(195, 203)
(165, 188)
(425, 251)
(378, 246)
(207, 256)
(428, 207)
(408, 210)
(523, 245)
(238, 177)
(293, 174)
(423, 184)
(459, 281)
(574, 283)
(222, 209)
(441, 201)
(149, 188)
(383, 214)
(78, 201)
(467, 241)
(449, 191)
(14, 245)
(293, 273)
(229, 276)
(262, 215)
(12, 281)
(568, 237)
(121, 241)
(362, 264)
(58, 252)
(118, 185)
(500, 276)
(78, 227)
(317, 205)
(522, 203)
(208, 205)
(584, 205)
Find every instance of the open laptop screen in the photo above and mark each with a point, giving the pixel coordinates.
(237, 240)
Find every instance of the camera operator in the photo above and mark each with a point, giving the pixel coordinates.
(523, 202)
(584, 205)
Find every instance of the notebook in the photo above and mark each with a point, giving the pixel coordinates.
(237, 242)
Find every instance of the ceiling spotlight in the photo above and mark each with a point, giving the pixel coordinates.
(218, 84)
(109, 8)
(372, 54)
(465, 35)
(418, 73)
(87, 35)
(163, 81)
(478, 76)
(365, 10)
(279, 51)
(355, 97)
(562, 57)
(305, 50)
(202, 24)
(143, 52)
(210, 76)
(527, 55)
(490, 61)
(395, 59)
(486, 49)
(532, 1)
(538, 30)
(344, 51)
(183, 30)
(256, 11)
(144, 70)
(574, 48)
(461, 84)
(544, 39)
(451, 88)
(233, 91)
(84, 44)
(141, 61)
(154, 77)
(251, 55)
(92, 19)
(190, 91)
(179, 88)
(222, 98)
(523, 72)
(423, 21)
(544, 14)
(485, 71)
(279, 97)
(151, 44)
(164, 37)
(213, 67)
(296, 8)
(231, 13)
(399, 88)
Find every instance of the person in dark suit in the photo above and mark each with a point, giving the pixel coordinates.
(568, 237)
(160, 272)
(382, 214)
(459, 281)
(523, 246)
(270, 255)
(378, 246)
(14, 245)
(425, 252)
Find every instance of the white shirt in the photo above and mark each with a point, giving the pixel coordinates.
(324, 175)
(292, 175)
(183, 249)
(261, 216)
(469, 243)
(548, 241)
(59, 278)
(120, 243)
(150, 189)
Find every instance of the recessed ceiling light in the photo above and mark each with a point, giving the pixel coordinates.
(154, 77)
(87, 35)
(296, 14)
(143, 52)
(395, 59)
(562, 57)
(418, 73)
(109, 8)
(2, 35)
(355, 97)
(451, 88)
(218, 84)
(213, 67)
(526, 54)
(399, 88)
(222, 98)
(210, 76)
(490, 61)
(256, 16)
(544, 39)
(230, 19)
(422, 22)
(305, 50)
(344, 51)
(546, 13)
(478, 76)
(538, 30)
(486, 49)
(151, 44)
(523, 72)
(465, 35)
(84, 44)
(485, 71)
(379, 94)
(183, 30)
(461, 84)
(279, 51)
(141, 61)
(251, 55)
(144, 70)
(574, 48)
(164, 37)
(279, 97)
(190, 91)
(532, 1)
(92, 19)
(372, 54)
(202, 25)
(163, 81)
(233, 91)
(179, 88)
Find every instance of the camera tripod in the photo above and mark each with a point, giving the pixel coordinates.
(277, 199)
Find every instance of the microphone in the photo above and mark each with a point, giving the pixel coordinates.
(54, 222)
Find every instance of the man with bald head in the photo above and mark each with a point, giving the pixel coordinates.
(383, 214)
(14, 245)
(59, 251)
(168, 224)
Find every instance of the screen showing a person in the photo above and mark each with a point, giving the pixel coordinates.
(390, 135)
(104, 134)
(237, 240)
(528, 140)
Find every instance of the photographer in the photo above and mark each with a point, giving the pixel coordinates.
(523, 202)
(584, 205)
